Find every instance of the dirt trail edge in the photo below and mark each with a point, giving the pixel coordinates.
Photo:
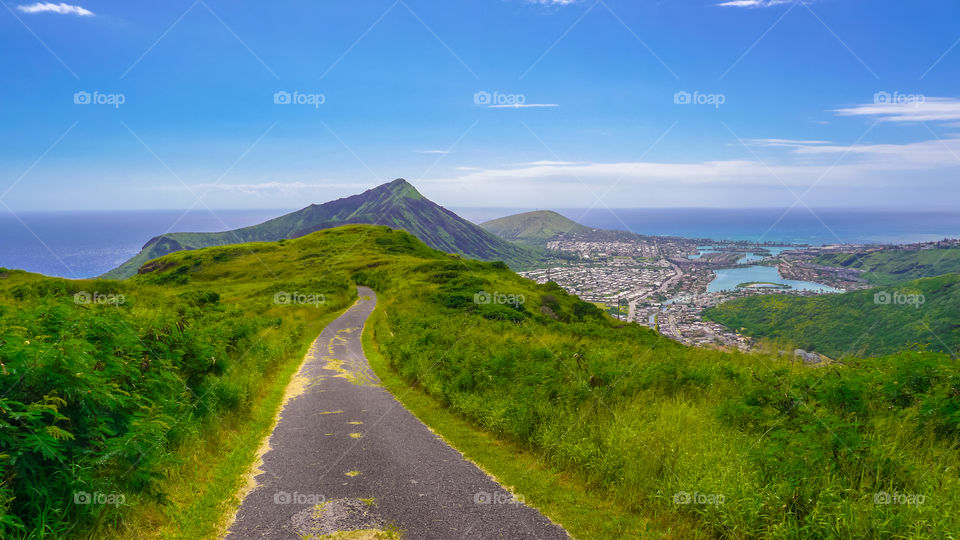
(347, 456)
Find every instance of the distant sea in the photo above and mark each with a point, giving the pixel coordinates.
(87, 244)
(797, 226)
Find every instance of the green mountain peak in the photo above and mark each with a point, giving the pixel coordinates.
(402, 188)
(396, 204)
(533, 228)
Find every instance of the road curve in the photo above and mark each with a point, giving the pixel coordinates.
(346, 456)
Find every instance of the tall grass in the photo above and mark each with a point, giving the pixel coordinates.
(749, 446)
(101, 382)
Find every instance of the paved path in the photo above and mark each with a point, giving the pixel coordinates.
(346, 455)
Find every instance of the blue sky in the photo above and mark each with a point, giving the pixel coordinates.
(624, 103)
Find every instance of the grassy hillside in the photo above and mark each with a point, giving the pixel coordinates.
(896, 265)
(397, 204)
(702, 443)
(855, 323)
(533, 228)
(717, 444)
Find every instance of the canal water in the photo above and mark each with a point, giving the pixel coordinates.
(747, 256)
(728, 278)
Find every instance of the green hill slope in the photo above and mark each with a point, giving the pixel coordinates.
(397, 204)
(855, 323)
(685, 442)
(896, 265)
(533, 228)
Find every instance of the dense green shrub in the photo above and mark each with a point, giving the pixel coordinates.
(96, 389)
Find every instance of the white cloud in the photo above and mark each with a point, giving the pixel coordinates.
(788, 143)
(909, 109)
(922, 155)
(432, 151)
(632, 172)
(553, 2)
(264, 188)
(756, 3)
(522, 106)
(61, 8)
(853, 173)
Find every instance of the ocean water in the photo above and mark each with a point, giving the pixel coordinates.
(87, 244)
(799, 225)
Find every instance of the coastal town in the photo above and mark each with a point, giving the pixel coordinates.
(666, 283)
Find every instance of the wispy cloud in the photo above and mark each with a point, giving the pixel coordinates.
(921, 155)
(918, 109)
(432, 151)
(61, 9)
(264, 188)
(523, 106)
(788, 143)
(630, 172)
(864, 166)
(553, 2)
(755, 3)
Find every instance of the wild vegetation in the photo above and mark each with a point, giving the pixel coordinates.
(106, 387)
(718, 444)
(897, 265)
(885, 320)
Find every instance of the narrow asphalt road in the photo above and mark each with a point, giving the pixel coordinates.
(345, 455)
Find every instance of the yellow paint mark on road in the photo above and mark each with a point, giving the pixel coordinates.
(359, 534)
(351, 474)
(356, 435)
(361, 378)
(355, 423)
(332, 412)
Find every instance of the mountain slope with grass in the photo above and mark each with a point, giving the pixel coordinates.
(895, 265)
(396, 204)
(533, 228)
(860, 323)
(679, 442)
